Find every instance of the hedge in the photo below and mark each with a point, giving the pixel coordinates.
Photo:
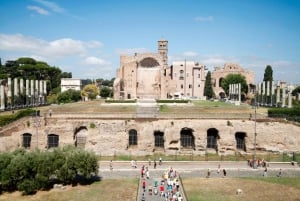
(291, 114)
(7, 119)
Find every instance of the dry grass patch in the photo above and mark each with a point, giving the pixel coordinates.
(224, 189)
(111, 189)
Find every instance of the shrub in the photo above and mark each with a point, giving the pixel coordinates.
(291, 114)
(7, 119)
(32, 171)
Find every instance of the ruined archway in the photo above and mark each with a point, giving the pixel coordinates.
(240, 140)
(187, 139)
(212, 137)
(149, 62)
(26, 140)
(80, 135)
(220, 81)
(222, 95)
(159, 141)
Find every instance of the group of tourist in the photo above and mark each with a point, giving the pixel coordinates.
(169, 187)
(257, 163)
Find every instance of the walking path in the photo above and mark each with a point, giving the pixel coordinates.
(189, 169)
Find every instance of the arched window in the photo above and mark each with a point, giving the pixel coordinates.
(240, 140)
(158, 139)
(53, 140)
(220, 81)
(81, 135)
(132, 137)
(212, 136)
(187, 138)
(26, 140)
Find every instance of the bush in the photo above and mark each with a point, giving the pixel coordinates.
(172, 101)
(32, 171)
(119, 101)
(7, 119)
(291, 114)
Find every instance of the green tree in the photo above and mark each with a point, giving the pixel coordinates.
(91, 91)
(296, 91)
(234, 79)
(268, 75)
(208, 90)
(69, 96)
(105, 92)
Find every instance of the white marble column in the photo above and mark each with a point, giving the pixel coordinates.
(2, 104)
(289, 99)
(283, 96)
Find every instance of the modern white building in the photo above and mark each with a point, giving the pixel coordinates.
(70, 83)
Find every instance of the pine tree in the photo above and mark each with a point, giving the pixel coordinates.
(268, 75)
(208, 90)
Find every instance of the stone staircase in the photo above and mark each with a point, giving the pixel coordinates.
(147, 108)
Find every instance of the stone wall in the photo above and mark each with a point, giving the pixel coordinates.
(110, 136)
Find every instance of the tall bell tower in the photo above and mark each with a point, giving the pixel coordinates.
(163, 50)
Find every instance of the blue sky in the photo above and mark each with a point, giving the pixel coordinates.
(87, 37)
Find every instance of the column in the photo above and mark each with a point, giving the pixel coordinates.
(41, 97)
(283, 97)
(263, 92)
(268, 93)
(9, 93)
(277, 93)
(259, 93)
(272, 93)
(27, 91)
(36, 92)
(2, 105)
(289, 99)
(32, 92)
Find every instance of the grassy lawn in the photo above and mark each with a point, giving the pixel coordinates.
(197, 189)
(224, 189)
(125, 190)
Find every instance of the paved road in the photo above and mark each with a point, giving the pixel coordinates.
(192, 169)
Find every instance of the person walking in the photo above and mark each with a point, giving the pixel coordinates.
(224, 173)
(110, 165)
(265, 172)
(208, 173)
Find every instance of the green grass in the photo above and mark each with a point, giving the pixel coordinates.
(287, 181)
(109, 189)
(224, 189)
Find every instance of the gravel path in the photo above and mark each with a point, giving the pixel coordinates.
(188, 169)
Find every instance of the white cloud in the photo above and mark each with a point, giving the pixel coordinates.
(190, 54)
(94, 44)
(95, 61)
(51, 5)
(39, 10)
(214, 60)
(49, 49)
(204, 19)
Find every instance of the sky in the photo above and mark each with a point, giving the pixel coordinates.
(87, 37)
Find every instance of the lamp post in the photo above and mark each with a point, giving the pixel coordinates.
(255, 134)
(37, 119)
(254, 157)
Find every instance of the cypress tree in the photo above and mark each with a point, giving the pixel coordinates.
(208, 90)
(268, 75)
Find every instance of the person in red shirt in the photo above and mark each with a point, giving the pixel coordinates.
(144, 185)
(162, 190)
